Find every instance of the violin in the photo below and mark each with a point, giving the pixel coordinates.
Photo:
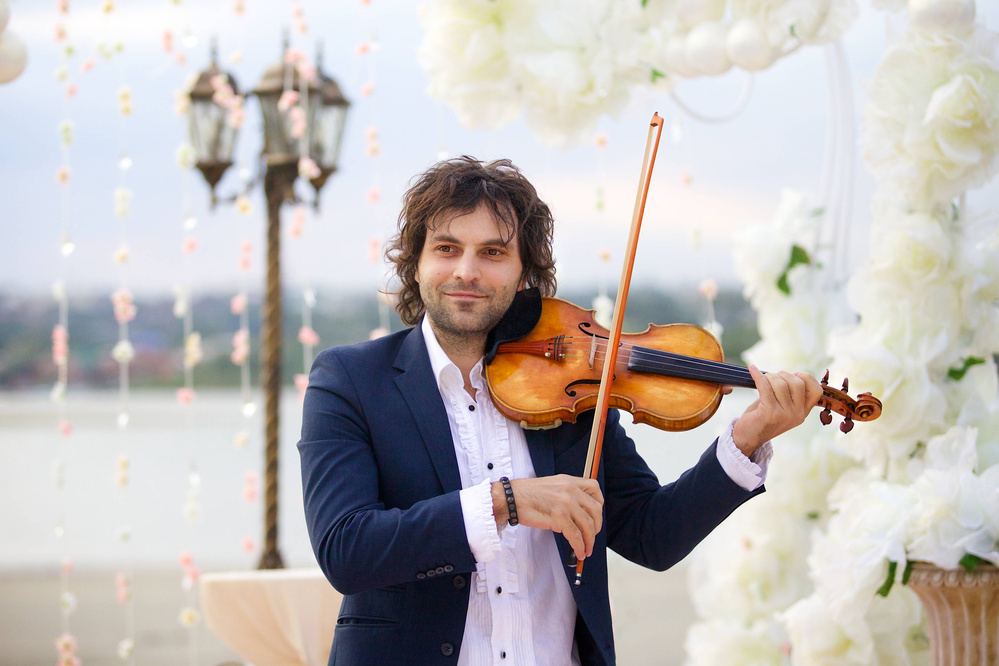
(669, 376)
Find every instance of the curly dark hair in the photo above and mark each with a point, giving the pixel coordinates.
(457, 187)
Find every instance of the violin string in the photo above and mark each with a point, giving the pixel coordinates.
(656, 359)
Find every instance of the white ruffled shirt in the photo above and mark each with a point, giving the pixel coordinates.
(520, 608)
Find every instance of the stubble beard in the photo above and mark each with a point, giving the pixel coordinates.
(462, 326)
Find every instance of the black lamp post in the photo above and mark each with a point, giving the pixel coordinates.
(213, 139)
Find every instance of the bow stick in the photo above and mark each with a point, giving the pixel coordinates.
(592, 466)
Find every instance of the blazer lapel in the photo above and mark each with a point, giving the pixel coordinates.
(419, 388)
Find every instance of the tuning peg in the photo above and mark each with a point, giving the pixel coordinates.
(825, 378)
(846, 385)
(847, 425)
(825, 416)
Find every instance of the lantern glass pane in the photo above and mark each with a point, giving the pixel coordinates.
(277, 127)
(325, 139)
(211, 136)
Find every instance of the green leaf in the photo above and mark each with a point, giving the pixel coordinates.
(958, 373)
(799, 255)
(812, 515)
(907, 573)
(817, 212)
(918, 450)
(889, 580)
(970, 561)
(656, 74)
(954, 211)
(793, 31)
(645, 3)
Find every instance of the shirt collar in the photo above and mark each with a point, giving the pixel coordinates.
(440, 363)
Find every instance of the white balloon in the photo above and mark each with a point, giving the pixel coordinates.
(706, 51)
(748, 46)
(952, 17)
(676, 56)
(4, 14)
(13, 56)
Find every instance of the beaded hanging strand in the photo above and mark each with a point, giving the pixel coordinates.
(65, 643)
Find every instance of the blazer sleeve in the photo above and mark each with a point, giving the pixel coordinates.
(657, 526)
(359, 541)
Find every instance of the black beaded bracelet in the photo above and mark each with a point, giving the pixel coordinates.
(511, 504)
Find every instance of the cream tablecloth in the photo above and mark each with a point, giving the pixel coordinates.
(282, 617)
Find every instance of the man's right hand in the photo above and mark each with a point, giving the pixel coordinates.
(569, 505)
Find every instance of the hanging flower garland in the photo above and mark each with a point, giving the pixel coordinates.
(65, 644)
(565, 64)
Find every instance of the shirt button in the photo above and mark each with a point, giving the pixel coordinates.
(471, 408)
(439, 570)
(502, 655)
(448, 568)
(489, 466)
(447, 649)
(458, 582)
(499, 590)
(421, 576)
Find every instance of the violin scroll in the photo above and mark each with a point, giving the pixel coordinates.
(865, 407)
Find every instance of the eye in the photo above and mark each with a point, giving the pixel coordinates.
(494, 252)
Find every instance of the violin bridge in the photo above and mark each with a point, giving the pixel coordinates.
(593, 350)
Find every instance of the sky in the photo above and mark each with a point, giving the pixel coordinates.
(711, 183)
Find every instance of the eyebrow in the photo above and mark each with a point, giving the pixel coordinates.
(448, 238)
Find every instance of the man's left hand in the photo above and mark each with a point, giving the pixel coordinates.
(784, 402)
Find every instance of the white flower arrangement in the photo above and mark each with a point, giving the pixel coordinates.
(566, 63)
(930, 128)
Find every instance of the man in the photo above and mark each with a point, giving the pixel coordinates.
(453, 533)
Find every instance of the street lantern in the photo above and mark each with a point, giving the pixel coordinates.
(212, 136)
(325, 110)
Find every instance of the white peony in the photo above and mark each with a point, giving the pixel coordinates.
(724, 642)
(931, 130)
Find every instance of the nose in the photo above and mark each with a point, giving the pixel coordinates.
(466, 268)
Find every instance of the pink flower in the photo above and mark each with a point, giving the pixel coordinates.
(65, 428)
(87, 65)
(123, 591)
(288, 99)
(167, 41)
(190, 245)
(372, 149)
(371, 133)
(297, 222)
(600, 139)
(367, 89)
(68, 660)
(362, 49)
(60, 344)
(239, 7)
(246, 247)
(185, 559)
(67, 566)
(248, 544)
(308, 169)
(71, 90)
(238, 304)
(60, 32)
(293, 56)
(240, 346)
(305, 69)
(298, 122)
(185, 396)
(63, 6)
(686, 178)
(373, 195)
(180, 58)
(62, 175)
(374, 249)
(237, 114)
(301, 383)
(124, 309)
(66, 644)
(308, 337)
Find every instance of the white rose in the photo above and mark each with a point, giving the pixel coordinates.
(728, 642)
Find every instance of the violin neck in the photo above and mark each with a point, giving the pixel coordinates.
(668, 364)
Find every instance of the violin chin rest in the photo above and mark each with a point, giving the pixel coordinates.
(520, 319)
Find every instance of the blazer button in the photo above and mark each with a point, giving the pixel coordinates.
(448, 568)
(458, 582)
(447, 649)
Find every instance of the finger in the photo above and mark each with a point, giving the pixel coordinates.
(785, 390)
(763, 387)
(726, 389)
(813, 389)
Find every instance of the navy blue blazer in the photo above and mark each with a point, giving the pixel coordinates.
(381, 483)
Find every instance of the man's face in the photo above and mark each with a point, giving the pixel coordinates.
(467, 275)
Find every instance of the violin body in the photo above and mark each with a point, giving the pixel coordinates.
(552, 375)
